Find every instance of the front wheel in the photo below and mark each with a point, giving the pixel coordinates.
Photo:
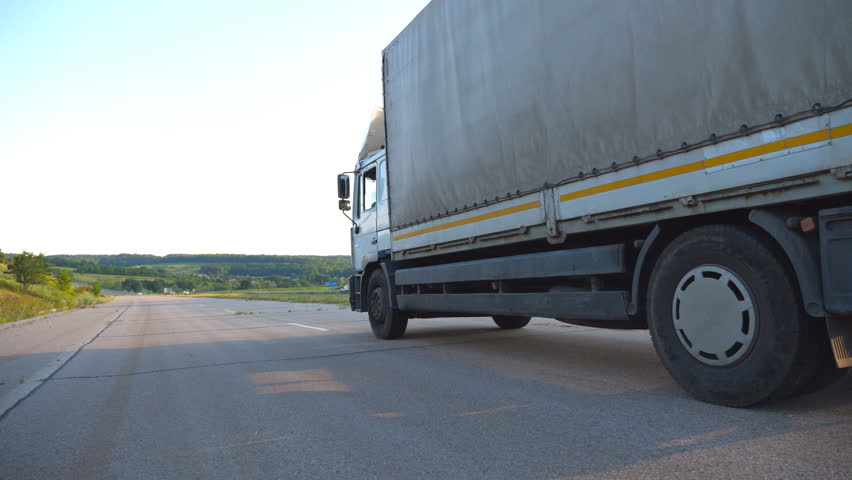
(726, 320)
(510, 323)
(386, 322)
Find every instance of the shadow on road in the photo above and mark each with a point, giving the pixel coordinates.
(574, 401)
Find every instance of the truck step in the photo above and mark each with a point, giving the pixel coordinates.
(600, 305)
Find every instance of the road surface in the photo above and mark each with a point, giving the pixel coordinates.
(159, 387)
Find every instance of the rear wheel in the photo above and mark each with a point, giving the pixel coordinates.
(510, 323)
(386, 322)
(726, 320)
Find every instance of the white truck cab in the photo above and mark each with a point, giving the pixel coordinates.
(370, 232)
(371, 229)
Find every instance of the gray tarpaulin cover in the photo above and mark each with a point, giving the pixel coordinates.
(485, 97)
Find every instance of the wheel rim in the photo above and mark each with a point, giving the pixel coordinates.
(377, 307)
(714, 315)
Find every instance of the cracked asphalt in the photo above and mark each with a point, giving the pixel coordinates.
(183, 387)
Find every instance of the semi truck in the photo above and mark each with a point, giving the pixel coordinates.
(678, 166)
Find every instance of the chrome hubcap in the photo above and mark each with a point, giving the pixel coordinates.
(714, 315)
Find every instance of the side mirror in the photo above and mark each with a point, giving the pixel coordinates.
(344, 205)
(343, 187)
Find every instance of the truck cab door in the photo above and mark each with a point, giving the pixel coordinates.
(364, 235)
(382, 207)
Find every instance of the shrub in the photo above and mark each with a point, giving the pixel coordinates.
(63, 280)
(85, 300)
(8, 282)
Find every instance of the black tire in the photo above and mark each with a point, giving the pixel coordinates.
(510, 323)
(386, 322)
(780, 359)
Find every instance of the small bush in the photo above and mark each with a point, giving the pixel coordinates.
(85, 300)
(63, 280)
(8, 282)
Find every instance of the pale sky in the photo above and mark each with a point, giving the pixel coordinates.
(185, 126)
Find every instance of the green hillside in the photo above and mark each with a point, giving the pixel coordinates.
(18, 302)
(204, 273)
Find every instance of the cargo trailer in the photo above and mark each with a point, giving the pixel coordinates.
(678, 166)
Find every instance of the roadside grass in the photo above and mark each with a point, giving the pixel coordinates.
(86, 300)
(330, 298)
(312, 288)
(18, 306)
(16, 303)
(301, 289)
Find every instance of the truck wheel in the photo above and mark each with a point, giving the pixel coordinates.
(510, 323)
(726, 320)
(386, 322)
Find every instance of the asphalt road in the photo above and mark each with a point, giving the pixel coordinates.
(210, 388)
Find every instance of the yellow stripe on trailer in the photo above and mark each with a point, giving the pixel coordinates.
(732, 157)
(478, 218)
(765, 149)
(841, 131)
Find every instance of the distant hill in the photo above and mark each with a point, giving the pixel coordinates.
(277, 270)
(135, 260)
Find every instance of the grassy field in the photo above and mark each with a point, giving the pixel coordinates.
(332, 298)
(107, 281)
(177, 267)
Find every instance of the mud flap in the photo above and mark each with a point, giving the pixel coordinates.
(835, 237)
(840, 333)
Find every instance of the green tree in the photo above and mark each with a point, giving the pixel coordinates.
(131, 285)
(245, 284)
(185, 282)
(96, 289)
(155, 286)
(63, 280)
(2, 258)
(29, 269)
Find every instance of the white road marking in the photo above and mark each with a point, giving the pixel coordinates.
(308, 326)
